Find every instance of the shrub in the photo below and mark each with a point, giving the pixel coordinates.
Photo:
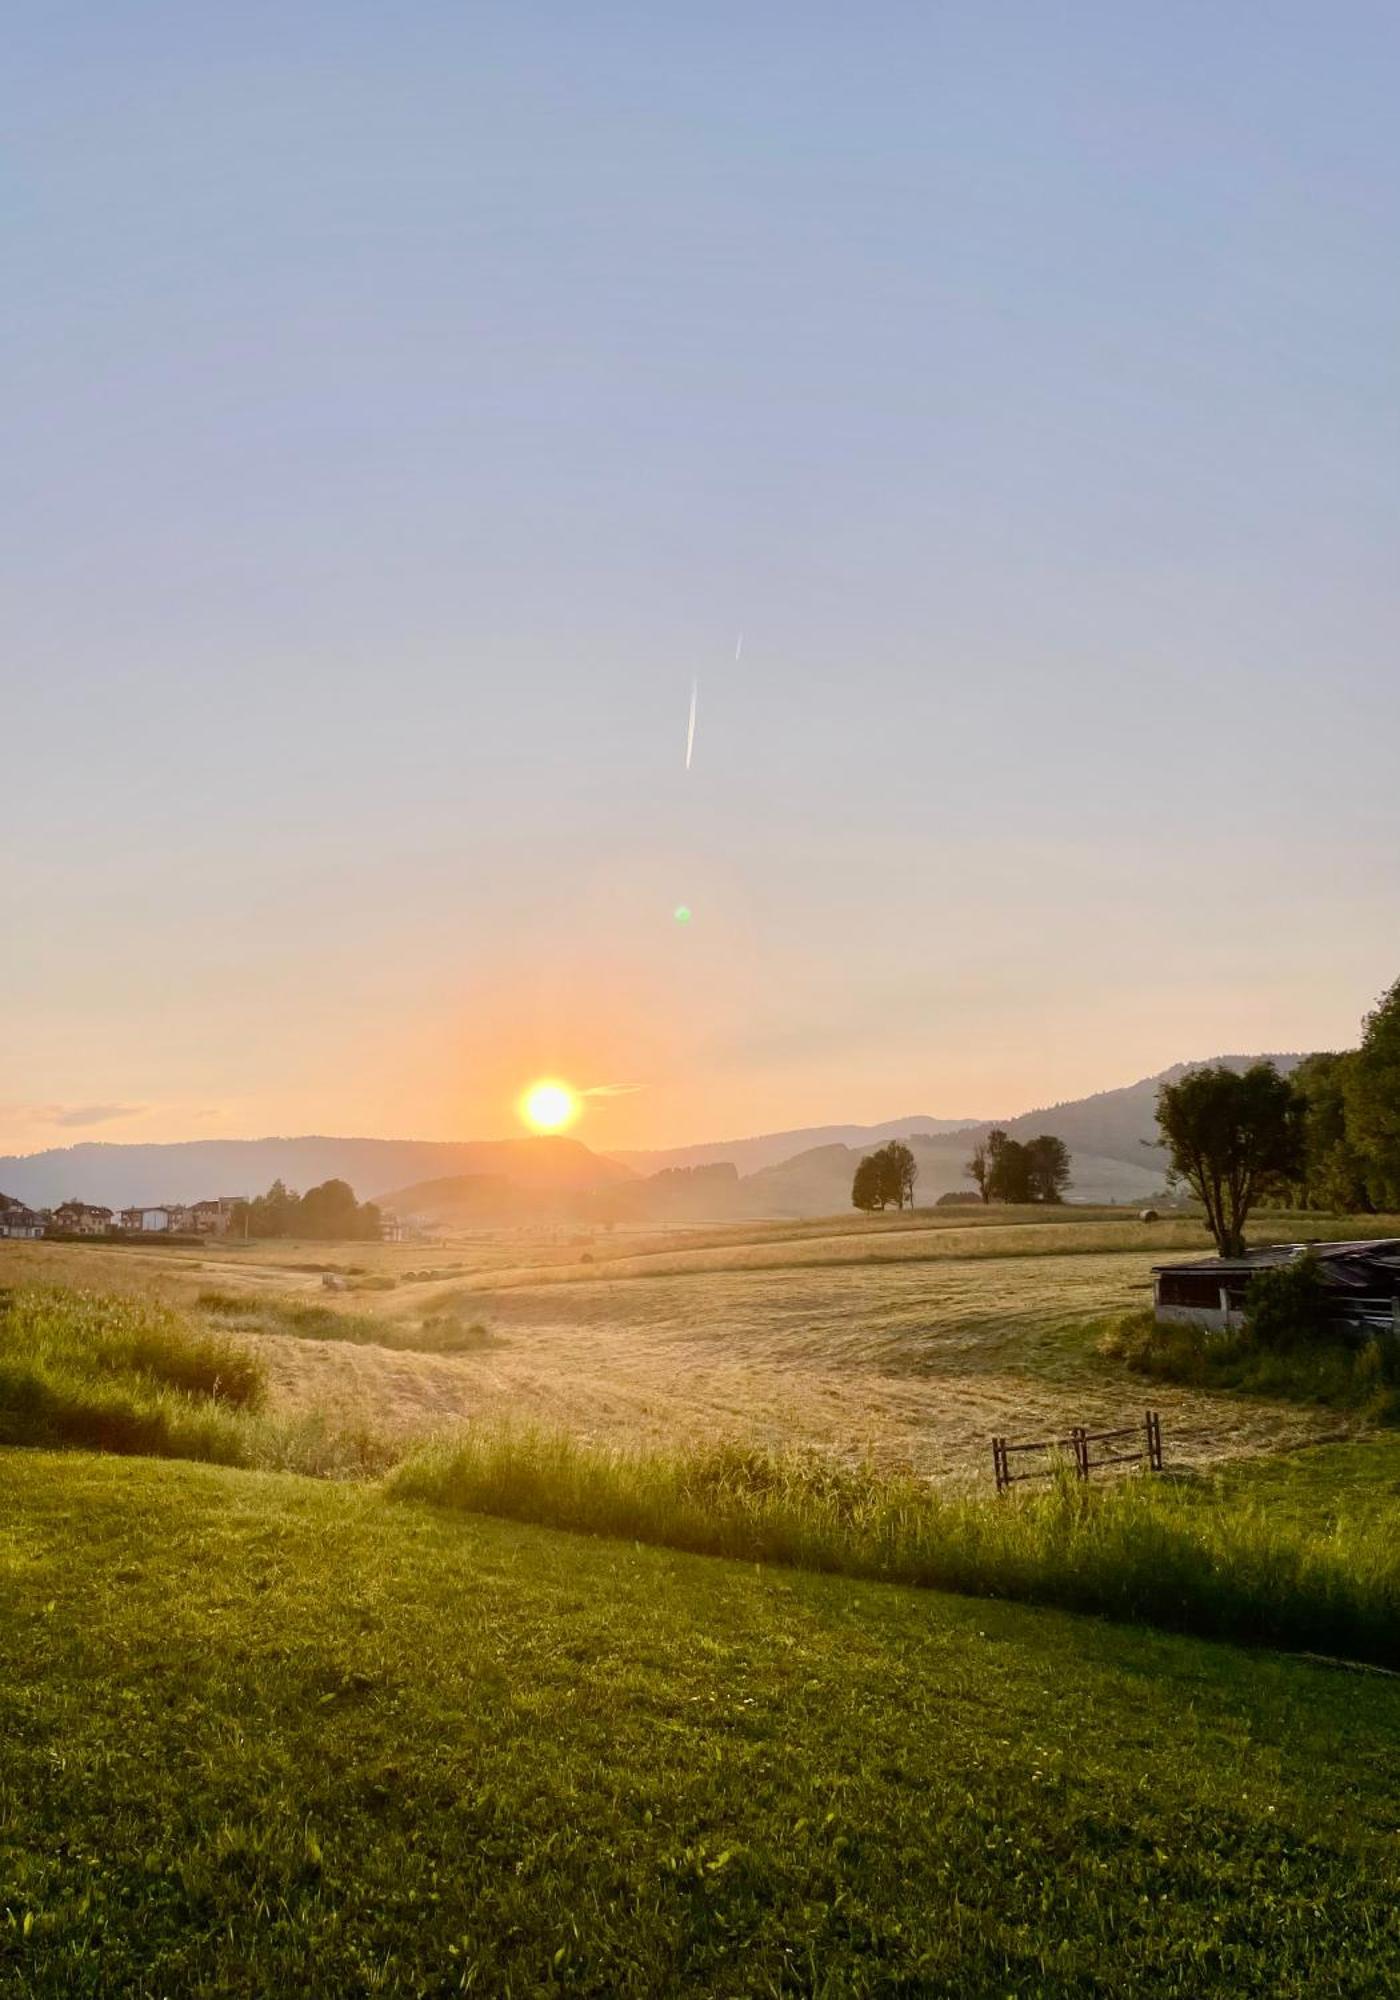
(1285, 1307)
(1323, 1370)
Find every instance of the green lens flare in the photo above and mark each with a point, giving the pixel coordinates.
(682, 913)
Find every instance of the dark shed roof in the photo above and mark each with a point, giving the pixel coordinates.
(1371, 1265)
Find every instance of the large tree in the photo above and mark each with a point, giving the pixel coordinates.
(329, 1213)
(1010, 1176)
(1047, 1168)
(1372, 1090)
(904, 1169)
(865, 1187)
(1231, 1137)
(896, 1171)
(1334, 1171)
(979, 1167)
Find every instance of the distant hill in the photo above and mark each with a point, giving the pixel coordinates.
(819, 1182)
(1121, 1124)
(769, 1149)
(119, 1175)
(677, 1194)
(1111, 1136)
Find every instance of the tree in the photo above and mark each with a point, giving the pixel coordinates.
(979, 1168)
(1047, 1168)
(1372, 1091)
(1333, 1171)
(329, 1212)
(865, 1188)
(1231, 1138)
(1009, 1179)
(893, 1171)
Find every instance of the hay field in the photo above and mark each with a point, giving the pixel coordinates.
(906, 1342)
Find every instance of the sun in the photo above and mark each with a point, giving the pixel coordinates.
(548, 1106)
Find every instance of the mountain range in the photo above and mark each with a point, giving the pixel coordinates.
(1111, 1136)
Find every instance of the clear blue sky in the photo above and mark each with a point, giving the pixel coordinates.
(402, 404)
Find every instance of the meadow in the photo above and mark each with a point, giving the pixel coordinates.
(261, 1734)
(901, 1342)
(643, 1628)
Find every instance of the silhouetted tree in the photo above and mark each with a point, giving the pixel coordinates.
(1231, 1138)
(1333, 1173)
(1372, 1092)
(328, 1213)
(1047, 1168)
(896, 1171)
(865, 1188)
(979, 1168)
(904, 1172)
(1009, 1178)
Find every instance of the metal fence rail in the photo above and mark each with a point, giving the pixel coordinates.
(1078, 1448)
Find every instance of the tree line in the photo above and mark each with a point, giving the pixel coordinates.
(1326, 1137)
(1003, 1168)
(1007, 1170)
(328, 1213)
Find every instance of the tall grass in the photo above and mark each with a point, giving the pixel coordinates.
(1139, 1550)
(1365, 1377)
(446, 1330)
(121, 1374)
(136, 1377)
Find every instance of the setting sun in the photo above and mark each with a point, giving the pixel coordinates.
(548, 1106)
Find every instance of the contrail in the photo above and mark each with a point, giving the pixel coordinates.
(739, 645)
(690, 732)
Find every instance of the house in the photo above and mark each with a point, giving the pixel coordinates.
(157, 1221)
(18, 1221)
(82, 1218)
(1361, 1280)
(213, 1217)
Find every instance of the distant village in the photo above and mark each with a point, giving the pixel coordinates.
(219, 1215)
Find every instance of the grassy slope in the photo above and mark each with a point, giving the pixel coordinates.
(263, 1735)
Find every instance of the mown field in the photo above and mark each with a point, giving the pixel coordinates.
(905, 1340)
(262, 1735)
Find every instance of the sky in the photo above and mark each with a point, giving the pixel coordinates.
(403, 406)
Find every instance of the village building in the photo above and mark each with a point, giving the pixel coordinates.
(1361, 1284)
(82, 1218)
(16, 1220)
(214, 1216)
(164, 1219)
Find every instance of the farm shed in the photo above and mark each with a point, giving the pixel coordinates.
(1362, 1280)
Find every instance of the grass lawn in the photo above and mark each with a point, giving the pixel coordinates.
(265, 1735)
(1356, 1483)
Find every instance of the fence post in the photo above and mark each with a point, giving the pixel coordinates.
(1079, 1438)
(1154, 1440)
(999, 1467)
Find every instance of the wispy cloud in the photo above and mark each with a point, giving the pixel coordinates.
(612, 1089)
(76, 1115)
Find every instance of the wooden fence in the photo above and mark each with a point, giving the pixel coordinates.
(1079, 1449)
